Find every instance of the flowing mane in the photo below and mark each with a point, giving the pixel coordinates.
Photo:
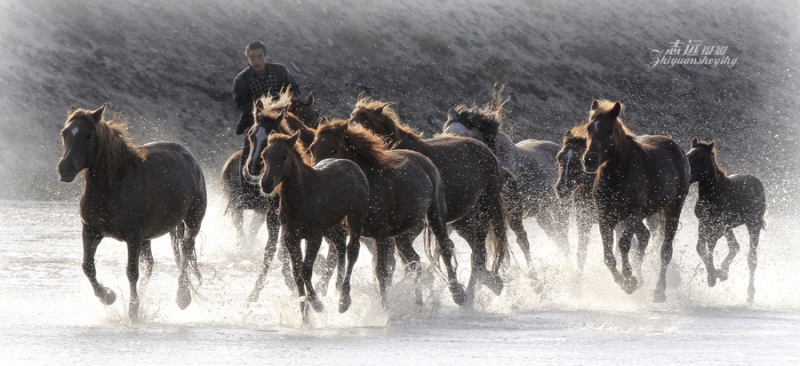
(604, 108)
(277, 103)
(387, 118)
(362, 141)
(116, 151)
(298, 148)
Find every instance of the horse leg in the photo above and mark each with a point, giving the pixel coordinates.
(147, 259)
(91, 239)
(629, 283)
(584, 220)
(312, 249)
(672, 214)
(515, 216)
(132, 270)
(237, 216)
(642, 240)
(405, 248)
(607, 234)
(292, 243)
(269, 254)
(733, 249)
(385, 249)
(708, 234)
(353, 248)
(754, 230)
(337, 245)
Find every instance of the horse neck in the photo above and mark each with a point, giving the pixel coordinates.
(711, 182)
(410, 143)
(299, 174)
(501, 146)
(102, 174)
(306, 134)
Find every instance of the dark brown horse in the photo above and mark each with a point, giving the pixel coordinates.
(314, 201)
(532, 162)
(472, 179)
(576, 185)
(270, 117)
(637, 176)
(723, 203)
(405, 188)
(133, 194)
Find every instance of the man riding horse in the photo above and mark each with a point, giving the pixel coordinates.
(257, 80)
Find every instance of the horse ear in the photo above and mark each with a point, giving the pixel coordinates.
(616, 110)
(379, 110)
(283, 115)
(259, 106)
(72, 108)
(568, 134)
(595, 104)
(694, 142)
(711, 145)
(294, 138)
(310, 98)
(323, 120)
(97, 115)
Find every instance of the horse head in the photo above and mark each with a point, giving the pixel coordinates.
(570, 169)
(605, 133)
(267, 121)
(702, 159)
(331, 141)
(79, 139)
(279, 157)
(303, 108)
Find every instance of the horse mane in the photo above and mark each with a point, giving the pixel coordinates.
(579, 131)
(274, 105)
(298, 147)
(116, 151)
(604, 109)
(713, 148)
(362, 141)
(388, 117)
(486, 119)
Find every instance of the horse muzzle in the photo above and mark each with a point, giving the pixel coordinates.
(249, 178)
(67, 172)
(590, 163)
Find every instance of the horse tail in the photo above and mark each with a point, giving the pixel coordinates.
(498, 215)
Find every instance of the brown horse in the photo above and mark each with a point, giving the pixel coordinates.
(474, 202)
(532, 162)
(270, 117)
(723, 203)
(637, 176)
(576, 185)
(133, 194)
(314, 200)
(405, 188)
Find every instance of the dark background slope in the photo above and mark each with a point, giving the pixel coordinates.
(168, 67)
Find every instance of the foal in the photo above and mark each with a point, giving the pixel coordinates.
(723, 203)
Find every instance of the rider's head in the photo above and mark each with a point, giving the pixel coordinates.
(256, 53)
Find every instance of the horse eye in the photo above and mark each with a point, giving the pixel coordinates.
(88, 136)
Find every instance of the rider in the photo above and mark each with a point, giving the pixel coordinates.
(257, 80)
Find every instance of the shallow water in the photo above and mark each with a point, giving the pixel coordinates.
(49, 314)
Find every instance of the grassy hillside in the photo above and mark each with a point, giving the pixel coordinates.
(168, 67)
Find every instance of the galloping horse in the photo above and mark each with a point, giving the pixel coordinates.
(637, 176)
(264, 206)
(405, 188)
(576, 185)
(314, 200)
(133, 194)
(723, 203)
(472, 179)
(271, 116)
(532, 162)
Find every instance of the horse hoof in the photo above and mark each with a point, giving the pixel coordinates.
(184, 298)
(537, 286)
(344, 303)
(459, 297)
(317, 305)
(494, 283)
(722, 275)
(630, 285)
(108, 298)
(133, 315)
(659, 297)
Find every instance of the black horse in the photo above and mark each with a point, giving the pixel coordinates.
(133, 194)
(723, 203)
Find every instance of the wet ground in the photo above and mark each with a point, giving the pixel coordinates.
(49, 314)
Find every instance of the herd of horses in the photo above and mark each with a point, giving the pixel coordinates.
(374, 179)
